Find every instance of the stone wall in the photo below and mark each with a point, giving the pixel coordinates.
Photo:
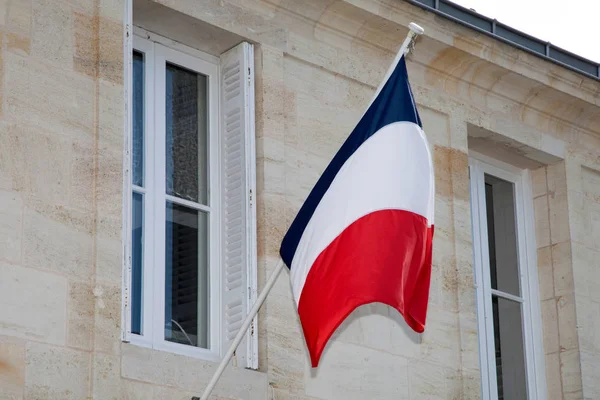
(317, 66)
(61, 152)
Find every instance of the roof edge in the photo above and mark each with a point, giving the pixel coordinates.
(504, 33)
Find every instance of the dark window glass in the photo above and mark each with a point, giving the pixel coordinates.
(137, 251)
(186, 131)
(138, 119)
(186, 280)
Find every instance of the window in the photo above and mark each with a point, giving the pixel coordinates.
(192, 265)
(508, 311)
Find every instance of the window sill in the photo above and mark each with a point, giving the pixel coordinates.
(190, 374)
(175, 348)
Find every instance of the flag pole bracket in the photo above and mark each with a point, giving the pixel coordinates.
(414, 31)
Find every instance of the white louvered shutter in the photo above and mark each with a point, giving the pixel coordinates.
(239, 212)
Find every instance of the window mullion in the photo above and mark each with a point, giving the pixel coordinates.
(478, 250)
(187, 203)
(148, 255)
(484, 269)
(159, 196)
(507, 296)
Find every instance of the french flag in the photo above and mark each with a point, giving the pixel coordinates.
(364, 234)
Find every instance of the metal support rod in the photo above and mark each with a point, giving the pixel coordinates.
(240, 335)
(414, 31)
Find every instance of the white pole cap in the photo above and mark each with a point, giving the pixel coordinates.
(416, 28)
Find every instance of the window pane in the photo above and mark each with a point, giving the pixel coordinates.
(502, 235)
(137, 109)
(186, 280)
(137, 246)
(510, 357)
(186, 131)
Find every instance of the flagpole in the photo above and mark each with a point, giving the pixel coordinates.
(414, 31)
(240, 335)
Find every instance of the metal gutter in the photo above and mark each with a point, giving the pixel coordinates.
(511, 36)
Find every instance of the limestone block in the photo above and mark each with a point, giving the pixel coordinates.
(542, 223)
(585, 270)
(447, 163)
(12, 368)
(107, 318)
(303, 170)
(80, 312)
(160, 393)
(58, 241)
(272, 215)
(107, 377)
(18, 43)
(11, 228)
(190, 374)
(380, 327)
(588, 325)
(550, 326)
(436, 126)
(280, 394)
(427, 381)
(286, 352)
(270, 174)
(52, 32)
(33, 304)
(85, 51)
(111, 9)
(42, 97)
(563, 268)
(110, 50)
(567, 322)
(19, 16)
(348, 371)
(440, 342)
(471, 380)
(38, 163)
(109, 261)
(3, 10)
(538, 182)
(557, 178)
(81, 169)
(553, 377)
(469, 340)
(270, 91)
(559, 218)
(110, 116)
(56, 372)
(109, 185)
(582, 229)
(590, 374)
(134, 390)
(545, 273)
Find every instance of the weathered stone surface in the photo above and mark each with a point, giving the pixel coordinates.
(190, 374)
(11, 226)
(33, 304)
(12, 368)
(354, 372)
(80, 315)
(56, 372)
(57, 240)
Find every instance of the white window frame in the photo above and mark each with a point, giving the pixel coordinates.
(479, 165)
(156, 55)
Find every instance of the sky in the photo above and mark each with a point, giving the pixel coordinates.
(572, 24)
